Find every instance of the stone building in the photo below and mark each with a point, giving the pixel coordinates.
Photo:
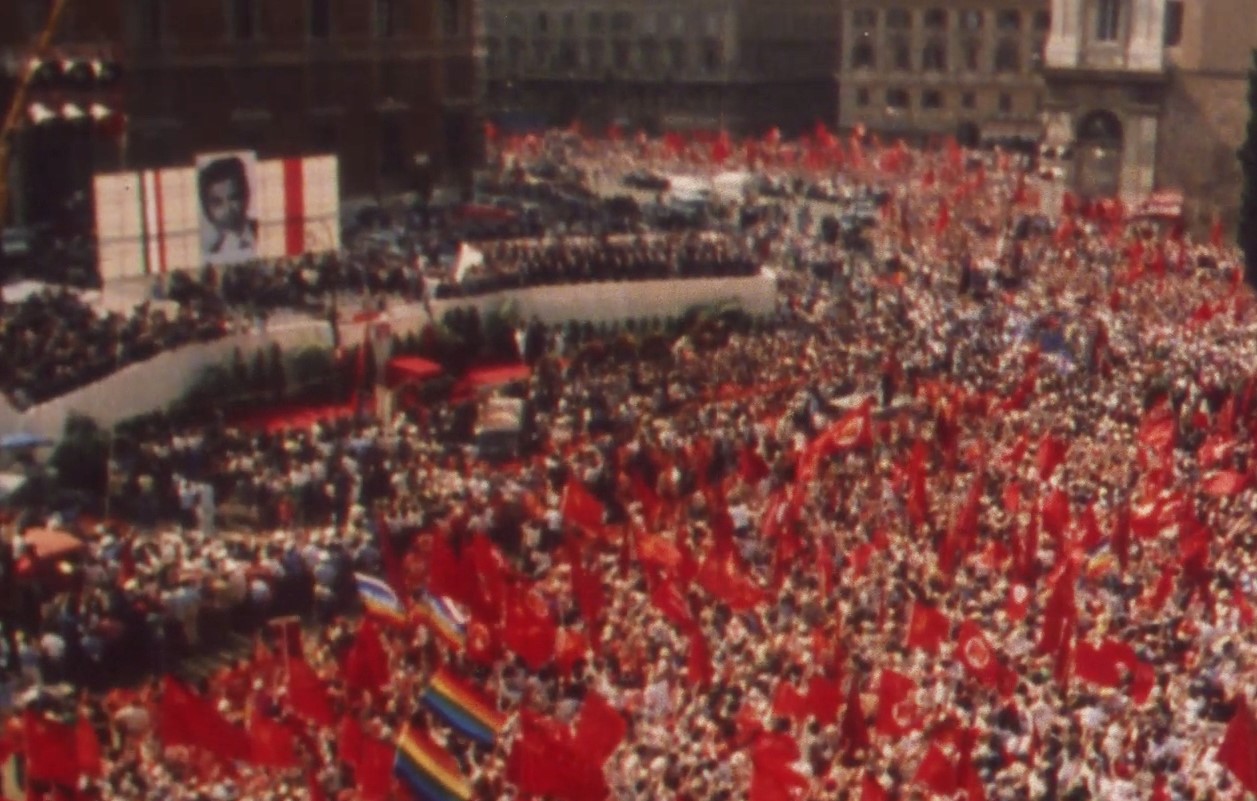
(738, 65)
(969, 68)
(392, 87)
(1148, 95)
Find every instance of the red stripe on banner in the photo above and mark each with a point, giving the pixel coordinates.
(161, 222)
(294, 208)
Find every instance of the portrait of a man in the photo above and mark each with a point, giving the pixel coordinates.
(229, 227)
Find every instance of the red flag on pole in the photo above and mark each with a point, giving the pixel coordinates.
(50, 751)
(896, 709)
(600, 728)
(366, 663)
(1238, 751)
(927, 628)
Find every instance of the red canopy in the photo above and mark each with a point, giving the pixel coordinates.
(487, 377)
(50, 544)
(405, 369)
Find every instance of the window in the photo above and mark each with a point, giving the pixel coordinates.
(973, 54)
(1007, 56)
(595, 55)
(864, 18)
(648, 50)
(932, 99)
(320, 19)
(150, 21)
(540, 53)
(898, 18)
(934, 56)
(971, 20)
(1005, 103)
(569, 59)
(1108, 16)
(1008, 20)
(243, 19)
(897, 98)
(901, 55)
(713, 55)
(862, 97)
(514, 53)
(569, 22)
(1042, 20)
(969, 100)
(620, 55)
(936, 19)
(621, 22)
(451, 17)
(862, 56)
(1173, 23)
(385, 18)
(542, 23)
(676, 54)
(595, 22)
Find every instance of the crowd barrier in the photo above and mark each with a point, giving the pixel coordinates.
(156, 383)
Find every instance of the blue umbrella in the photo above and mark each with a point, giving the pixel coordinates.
(13, 442)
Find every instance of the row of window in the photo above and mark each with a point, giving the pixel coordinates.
(1007, 56)
(930, 100)
(244, 18)
(939, 18)
(568, 23)
(649, 55)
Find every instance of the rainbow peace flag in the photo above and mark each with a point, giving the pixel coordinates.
(447, 620)
(427, 769)
(379, 599)
(463, 707)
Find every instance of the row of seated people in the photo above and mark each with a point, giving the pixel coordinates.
(514, 265)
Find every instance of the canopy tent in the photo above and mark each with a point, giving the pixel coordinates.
(48, 543)
(489, 377)
(410, 369)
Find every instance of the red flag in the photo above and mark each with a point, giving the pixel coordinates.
(896, 708)
(698, 664)
(976, 654)
(187, 719)
(788, 702)
(943, 220)
(853, 732)
(271, 744)
(50, 752)
(1224, 484)
(349, 740)
(936, 773)
(1241, 603)
(773, 777)
(580, 508)
(453, 575)
(927, 628)
(600, 728)
(670, 601)
(1055, 514)
(823, 699)
(366, 663)
(87, 747)
(1093, 664)
(1018, 602)
(721, 576)
(870, 790)
(307, 695)
(1051, 453)
(375, 769)
(1238, 752)
(542, 745)
(655, 551)
(588, 591)
(529, 629)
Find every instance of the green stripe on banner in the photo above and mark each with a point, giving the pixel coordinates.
(143, 196)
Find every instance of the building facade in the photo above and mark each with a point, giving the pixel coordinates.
(392, 87)
(1147, 95)
(735, 65)
(919, 68)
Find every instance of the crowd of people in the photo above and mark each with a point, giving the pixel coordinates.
(970, 516)
(54, 342)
